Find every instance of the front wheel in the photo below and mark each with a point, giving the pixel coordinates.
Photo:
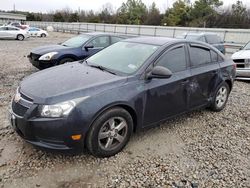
(110, 133)
(43, 35)
(220, 99)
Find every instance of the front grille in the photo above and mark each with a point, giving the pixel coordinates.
(19, 109)
(34, 57)
(240, 63)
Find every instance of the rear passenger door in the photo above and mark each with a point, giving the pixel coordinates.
(204, 75)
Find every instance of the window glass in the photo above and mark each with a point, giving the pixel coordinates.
(100, 42)
(3, 28)
(76, 41)
(174, 60)
(12, 29)
(214, 56)
(199, 56)
(213, 39)
(124, 57)
(115, 39)
(203, 39)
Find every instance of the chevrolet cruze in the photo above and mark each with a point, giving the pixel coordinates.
(140, 82)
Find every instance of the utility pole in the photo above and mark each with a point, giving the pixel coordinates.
(14, 7)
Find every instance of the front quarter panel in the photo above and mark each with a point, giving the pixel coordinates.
(131, 95)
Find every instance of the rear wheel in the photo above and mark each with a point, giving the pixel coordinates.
(43, 35)
(110, 133)
(65, 60)
(20, 37)
(220, 99)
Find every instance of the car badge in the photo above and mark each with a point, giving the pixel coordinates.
(17, 98)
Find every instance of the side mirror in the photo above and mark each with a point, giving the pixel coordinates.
(87, 47)
(241, 48)
(159, 72)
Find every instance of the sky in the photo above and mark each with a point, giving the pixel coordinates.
(96, 5)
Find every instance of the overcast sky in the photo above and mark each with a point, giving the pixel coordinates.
(96, 5)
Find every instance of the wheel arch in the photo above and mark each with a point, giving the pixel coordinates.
(125, 106)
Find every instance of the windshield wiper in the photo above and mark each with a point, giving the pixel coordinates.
(101, 68)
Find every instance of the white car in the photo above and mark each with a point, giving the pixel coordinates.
(36, 32)
(10, 32)
(242, 60)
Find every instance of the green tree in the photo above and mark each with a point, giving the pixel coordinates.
(74, 17)
(153, 16)
(132, 12)
(179, 15)
(204, 12)
(58, 17)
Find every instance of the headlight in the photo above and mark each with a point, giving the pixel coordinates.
(48, 56)
(57, 110)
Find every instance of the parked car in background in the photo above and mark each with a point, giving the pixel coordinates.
(133, 84)
(17, 24)
(242, 60)
(76, 48)
(10, 32)
(36, 32)
(210, 38)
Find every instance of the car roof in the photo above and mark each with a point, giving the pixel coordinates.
(159, 41)
(102, 33)
(199, 34)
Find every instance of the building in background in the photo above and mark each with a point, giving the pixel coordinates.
(11, 17)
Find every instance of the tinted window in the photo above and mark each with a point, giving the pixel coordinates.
(12, 29)
(3, 28)
(115, 39)
(174, 60)
(214, 56)
(100, 42)
(199, 56)
(213, 39)
(203, 39)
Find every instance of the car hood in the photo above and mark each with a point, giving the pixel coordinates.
(68, 81)
(242, 54)
(50, 48)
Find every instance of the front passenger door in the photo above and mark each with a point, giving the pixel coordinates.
(168, 97)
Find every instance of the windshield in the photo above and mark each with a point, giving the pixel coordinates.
(76, 41)
(192, 37)
(124, 57)
(247, 47)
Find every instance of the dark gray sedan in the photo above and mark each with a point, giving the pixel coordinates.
(131, 85)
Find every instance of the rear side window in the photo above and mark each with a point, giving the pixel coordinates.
(174, 60)
(202, 39)
(115, 39)
(213, 39)
(199, 56)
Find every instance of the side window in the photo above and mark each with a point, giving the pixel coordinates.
(214, 56)
(100, 42)
(199, 56)
(174, 60)
(202, 39)
(115, 39)
(3, 28)
(213, 39)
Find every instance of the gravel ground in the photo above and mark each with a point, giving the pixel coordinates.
(199, 149)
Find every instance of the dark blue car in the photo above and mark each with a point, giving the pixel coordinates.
(76, 48)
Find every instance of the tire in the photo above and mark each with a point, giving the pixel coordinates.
(221, 96)
(109, 133)
(43, 35)
(20, 37)
(65, 60)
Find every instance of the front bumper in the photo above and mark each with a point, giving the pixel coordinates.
(34, 60)
(51, 133)
(243, 73)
